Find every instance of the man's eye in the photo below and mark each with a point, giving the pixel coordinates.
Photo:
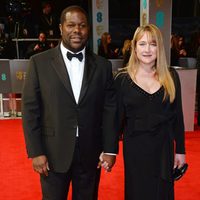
(82, 26)
(70, 25)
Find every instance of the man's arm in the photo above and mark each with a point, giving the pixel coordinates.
(31, 110)
(110, 136)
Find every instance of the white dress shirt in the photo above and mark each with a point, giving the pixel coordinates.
(75, 69)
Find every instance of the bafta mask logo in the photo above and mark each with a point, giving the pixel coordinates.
(20, 75)
(99, 4)
(99, 29)
(144, 19)
(159, 3)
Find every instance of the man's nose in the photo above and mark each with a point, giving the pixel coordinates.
(77, 28)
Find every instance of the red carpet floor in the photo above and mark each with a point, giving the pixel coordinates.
(19, 182)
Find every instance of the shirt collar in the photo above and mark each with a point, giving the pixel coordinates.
(64, 51)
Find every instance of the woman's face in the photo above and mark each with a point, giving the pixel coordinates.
(180, 41)
(108, 39)
(146, 50)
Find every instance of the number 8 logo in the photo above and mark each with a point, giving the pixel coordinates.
(3, 77)
(99, 17)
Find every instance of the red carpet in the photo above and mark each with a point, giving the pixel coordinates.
(19, 182)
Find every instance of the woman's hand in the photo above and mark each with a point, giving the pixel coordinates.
(179, 160)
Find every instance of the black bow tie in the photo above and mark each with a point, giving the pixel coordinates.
(78, 55)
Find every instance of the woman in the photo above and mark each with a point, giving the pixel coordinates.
(126, 51)
(150, 108)
(105, 48)
(174, 58)
(181, 46)
(177, 49)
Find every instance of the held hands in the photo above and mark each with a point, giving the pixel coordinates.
(40, 165)
(106, 161)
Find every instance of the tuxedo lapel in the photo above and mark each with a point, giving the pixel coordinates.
(60, 68)
(89, 69)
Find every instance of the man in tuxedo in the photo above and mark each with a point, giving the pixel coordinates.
(69, 107)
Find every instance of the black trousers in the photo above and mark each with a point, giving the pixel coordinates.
(84, 182)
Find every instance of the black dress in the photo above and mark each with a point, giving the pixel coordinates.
(150, 127)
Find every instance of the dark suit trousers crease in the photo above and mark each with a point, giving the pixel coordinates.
(84, 182)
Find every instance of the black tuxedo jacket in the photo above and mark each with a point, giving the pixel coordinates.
(51, 114)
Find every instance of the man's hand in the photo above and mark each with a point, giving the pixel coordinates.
(37, 47)
(106, 161)
(40, 164)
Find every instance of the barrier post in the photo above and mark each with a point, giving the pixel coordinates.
(1, 105)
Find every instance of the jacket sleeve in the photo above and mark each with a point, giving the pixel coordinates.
(31, 108)
(110, 137)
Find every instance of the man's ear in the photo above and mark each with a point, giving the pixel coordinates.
(60, 27)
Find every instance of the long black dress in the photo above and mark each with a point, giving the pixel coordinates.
(150, 127)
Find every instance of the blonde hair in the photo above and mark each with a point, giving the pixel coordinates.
(126, 46)
(104, 41)
(161, 66)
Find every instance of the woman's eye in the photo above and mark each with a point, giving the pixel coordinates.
(153, 44)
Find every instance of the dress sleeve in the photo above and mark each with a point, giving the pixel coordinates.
(119, 81)
(179, 128)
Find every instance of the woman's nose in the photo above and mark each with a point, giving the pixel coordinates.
(147, 47)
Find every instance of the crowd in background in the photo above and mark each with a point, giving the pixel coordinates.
(21, 22)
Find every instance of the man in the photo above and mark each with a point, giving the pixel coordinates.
(40, 46)
(48, 22)
(69, 113)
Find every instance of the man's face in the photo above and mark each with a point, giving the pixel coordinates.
(42, 37)
(74, 31)
(47, 9)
